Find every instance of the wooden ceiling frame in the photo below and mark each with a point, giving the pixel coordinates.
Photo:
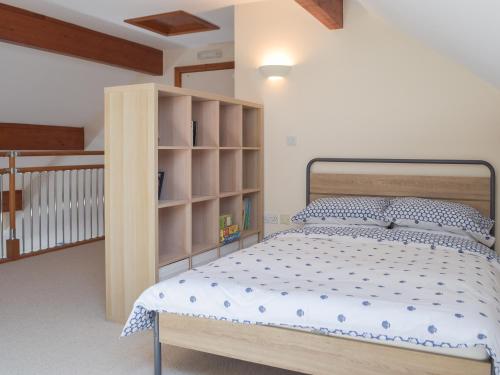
(41, 137)
(34, 30)
(178, 22)
(180, 70)
(329, 12)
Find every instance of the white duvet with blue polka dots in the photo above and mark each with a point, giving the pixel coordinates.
(375, 283)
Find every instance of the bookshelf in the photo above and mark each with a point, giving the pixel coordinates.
(149, 129)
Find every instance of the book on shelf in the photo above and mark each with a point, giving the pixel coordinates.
(225, 221)
(247, 212)
(161, 180)
(228, 232)
(194, 128)
(231, 238)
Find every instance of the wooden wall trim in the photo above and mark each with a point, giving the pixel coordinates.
(52, 249)
(180, 70)
(40, 137)
(329, 12)
(29, 29)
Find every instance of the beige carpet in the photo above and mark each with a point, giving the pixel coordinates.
(52, 322)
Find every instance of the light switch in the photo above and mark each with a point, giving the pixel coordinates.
(291, 140)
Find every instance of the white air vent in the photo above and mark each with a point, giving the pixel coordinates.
(209, 54)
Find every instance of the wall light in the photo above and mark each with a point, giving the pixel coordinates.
(275, 71)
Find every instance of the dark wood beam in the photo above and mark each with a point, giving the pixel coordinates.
(35, 30)
(5, 200)
(40, 137)
(180, 70)
(329, 12)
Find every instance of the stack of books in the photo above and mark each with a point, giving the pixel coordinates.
(247, 210)
(229, 232)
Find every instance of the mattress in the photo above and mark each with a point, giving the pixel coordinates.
(418, 290)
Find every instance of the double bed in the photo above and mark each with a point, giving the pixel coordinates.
(329, 298)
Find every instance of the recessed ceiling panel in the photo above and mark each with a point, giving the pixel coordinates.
(173, 23)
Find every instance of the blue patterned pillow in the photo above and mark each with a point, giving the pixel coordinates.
(344, 210)
(440, 215)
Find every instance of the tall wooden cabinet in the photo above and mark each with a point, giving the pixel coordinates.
(148, 128)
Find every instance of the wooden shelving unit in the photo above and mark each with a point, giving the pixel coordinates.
(149, 129)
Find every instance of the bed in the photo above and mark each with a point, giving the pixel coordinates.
(400, 301)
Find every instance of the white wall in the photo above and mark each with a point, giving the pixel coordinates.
(40, 87)
(216, 81)
(188, 56)
(364, 91)
(44, 88)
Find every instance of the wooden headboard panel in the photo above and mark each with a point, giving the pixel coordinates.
(478, 192)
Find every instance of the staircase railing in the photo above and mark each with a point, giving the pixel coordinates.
(49, 207)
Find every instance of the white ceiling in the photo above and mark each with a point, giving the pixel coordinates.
(108, 15)
(468, 31)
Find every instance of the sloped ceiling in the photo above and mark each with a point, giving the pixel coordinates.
(108, 15)
(468, 31)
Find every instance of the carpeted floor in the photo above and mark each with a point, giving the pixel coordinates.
(52, 322)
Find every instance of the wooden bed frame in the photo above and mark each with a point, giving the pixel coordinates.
(318, 354)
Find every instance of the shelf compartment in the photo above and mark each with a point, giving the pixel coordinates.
(174, 121)
(175, 164)
(254, 211)
(206, 115)
(251, 169)
(232, 206)
(173, 243)
(230, 129)
(204, 178)
(229, 171)
(251, 131)
(205, 221)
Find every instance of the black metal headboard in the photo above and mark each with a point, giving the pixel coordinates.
(407, 161)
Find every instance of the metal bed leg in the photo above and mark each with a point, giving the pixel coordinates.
(157, 343)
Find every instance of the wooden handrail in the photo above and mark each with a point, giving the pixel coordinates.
(60, 168)
(12, 242)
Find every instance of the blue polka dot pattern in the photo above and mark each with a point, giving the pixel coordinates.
(440, 215)
(344, 210)
(379, 284)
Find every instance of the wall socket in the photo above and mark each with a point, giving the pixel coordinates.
(271, 219)
(277, 219)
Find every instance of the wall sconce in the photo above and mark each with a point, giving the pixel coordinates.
(275, 71)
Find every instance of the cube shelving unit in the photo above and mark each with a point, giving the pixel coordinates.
(148, 129)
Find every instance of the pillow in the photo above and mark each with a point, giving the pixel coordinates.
(463, 235)
(440, 215)
(344, 210)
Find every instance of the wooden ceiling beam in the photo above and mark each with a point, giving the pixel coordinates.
(329, 12)
(25, 28)
(40, 137)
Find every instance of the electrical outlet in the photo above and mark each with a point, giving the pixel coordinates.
(271, 219)
(285, 219)
(291, 140)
